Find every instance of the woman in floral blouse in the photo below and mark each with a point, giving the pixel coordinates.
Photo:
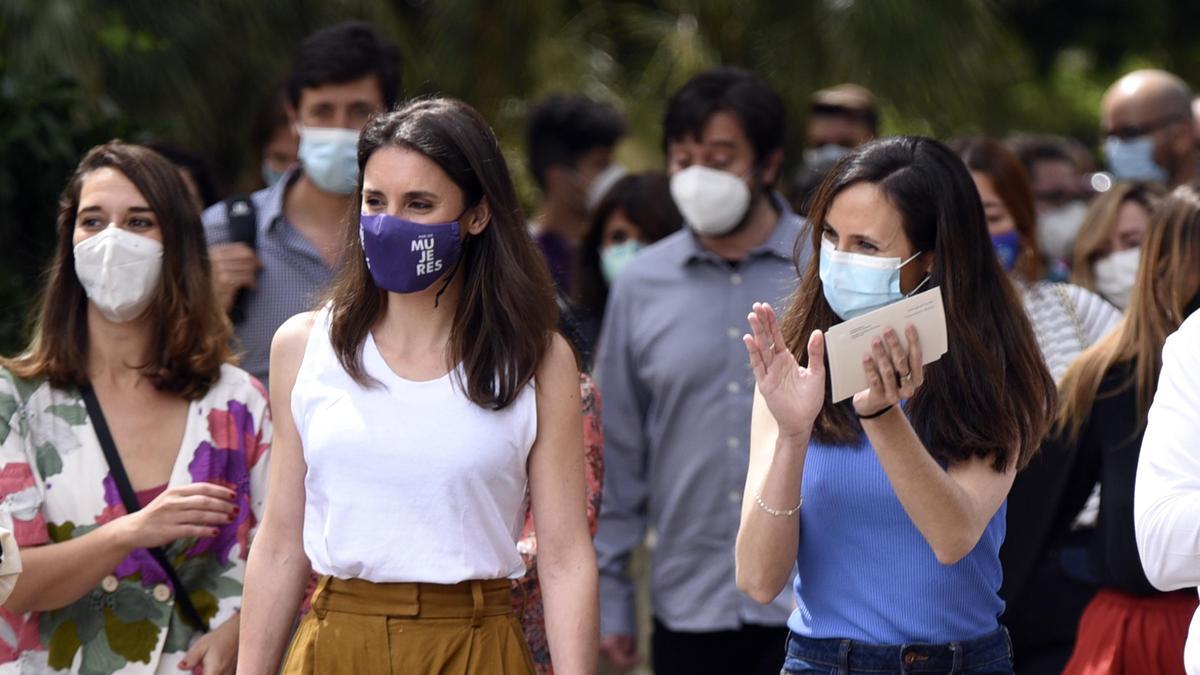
(128, 310)
(527, 591)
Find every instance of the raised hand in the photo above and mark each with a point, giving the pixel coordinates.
(793, 394)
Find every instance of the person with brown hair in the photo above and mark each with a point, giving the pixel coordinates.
(1109, 245)
(1044, 605)
(1129, 627)
(1066, 319)
(891, 506)
(414, 409)
(133, 456)
(636, 212)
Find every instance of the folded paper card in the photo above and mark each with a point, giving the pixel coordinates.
(848, 341)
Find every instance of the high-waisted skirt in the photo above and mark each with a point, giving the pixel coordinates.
(365, 628)
(1123, 633)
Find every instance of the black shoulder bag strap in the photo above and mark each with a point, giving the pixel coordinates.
(243, 229)
(182, 600)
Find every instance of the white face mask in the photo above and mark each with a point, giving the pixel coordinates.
(712, 202)
(1057, 229)
(119, 271)
(602, 183)
(1116, 274)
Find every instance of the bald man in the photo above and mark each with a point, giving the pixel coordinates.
(1146, 118)
(1196, 117)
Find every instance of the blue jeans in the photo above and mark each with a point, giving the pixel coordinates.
(991, 653)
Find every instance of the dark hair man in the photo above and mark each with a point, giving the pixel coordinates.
(287, 252)
(678, 394)
(571, 140)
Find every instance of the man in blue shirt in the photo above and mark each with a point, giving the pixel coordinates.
(678, 389)
(342, 76)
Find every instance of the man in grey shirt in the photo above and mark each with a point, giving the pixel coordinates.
(344, 74)
(678, 389)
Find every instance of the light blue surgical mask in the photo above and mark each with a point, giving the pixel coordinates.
(615, 257)
(270, 174)
(824, 156)
(330, 158)
(855, 284)
(1133, 159)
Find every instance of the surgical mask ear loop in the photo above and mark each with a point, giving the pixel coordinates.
(450, 277)
(924, 281)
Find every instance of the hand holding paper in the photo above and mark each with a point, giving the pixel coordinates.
(861, 350)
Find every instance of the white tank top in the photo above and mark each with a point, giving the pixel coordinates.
(408, 481)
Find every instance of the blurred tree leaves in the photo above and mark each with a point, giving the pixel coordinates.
(74, 72)
(46, 124)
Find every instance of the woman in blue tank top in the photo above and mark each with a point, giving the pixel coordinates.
(903, 487)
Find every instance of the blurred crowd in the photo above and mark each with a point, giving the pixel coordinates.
(653, 275)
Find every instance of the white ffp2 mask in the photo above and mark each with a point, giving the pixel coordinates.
(119, 271)
(1057, 229)
(1116, 274)
(712, 201)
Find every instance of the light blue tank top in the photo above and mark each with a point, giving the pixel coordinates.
(865, 572)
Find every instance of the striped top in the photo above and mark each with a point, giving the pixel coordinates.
(1066, 320)
(292, 277)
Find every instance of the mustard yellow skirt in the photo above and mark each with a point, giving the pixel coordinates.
(362, 628)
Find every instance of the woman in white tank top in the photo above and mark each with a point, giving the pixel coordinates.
(411, 413)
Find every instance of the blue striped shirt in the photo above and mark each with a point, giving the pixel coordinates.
(677, 391)
(292, 277)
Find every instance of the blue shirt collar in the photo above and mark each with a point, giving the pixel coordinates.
(271, 207)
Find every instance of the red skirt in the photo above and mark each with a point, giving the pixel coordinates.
(1123, 633)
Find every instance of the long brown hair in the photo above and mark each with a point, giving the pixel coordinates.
(991, 394)
(990, 158)
(190, 332)
(1096, 231)
(507, 312)
(1168, 280)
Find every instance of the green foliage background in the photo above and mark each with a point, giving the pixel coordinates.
(77, 72)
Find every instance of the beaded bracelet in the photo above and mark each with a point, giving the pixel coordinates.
(777, 512)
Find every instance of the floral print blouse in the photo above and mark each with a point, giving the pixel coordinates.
(55, 485)
(527, 593)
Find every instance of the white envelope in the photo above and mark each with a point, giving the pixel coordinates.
(847, 342)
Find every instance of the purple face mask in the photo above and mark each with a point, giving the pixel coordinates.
(407, 257)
